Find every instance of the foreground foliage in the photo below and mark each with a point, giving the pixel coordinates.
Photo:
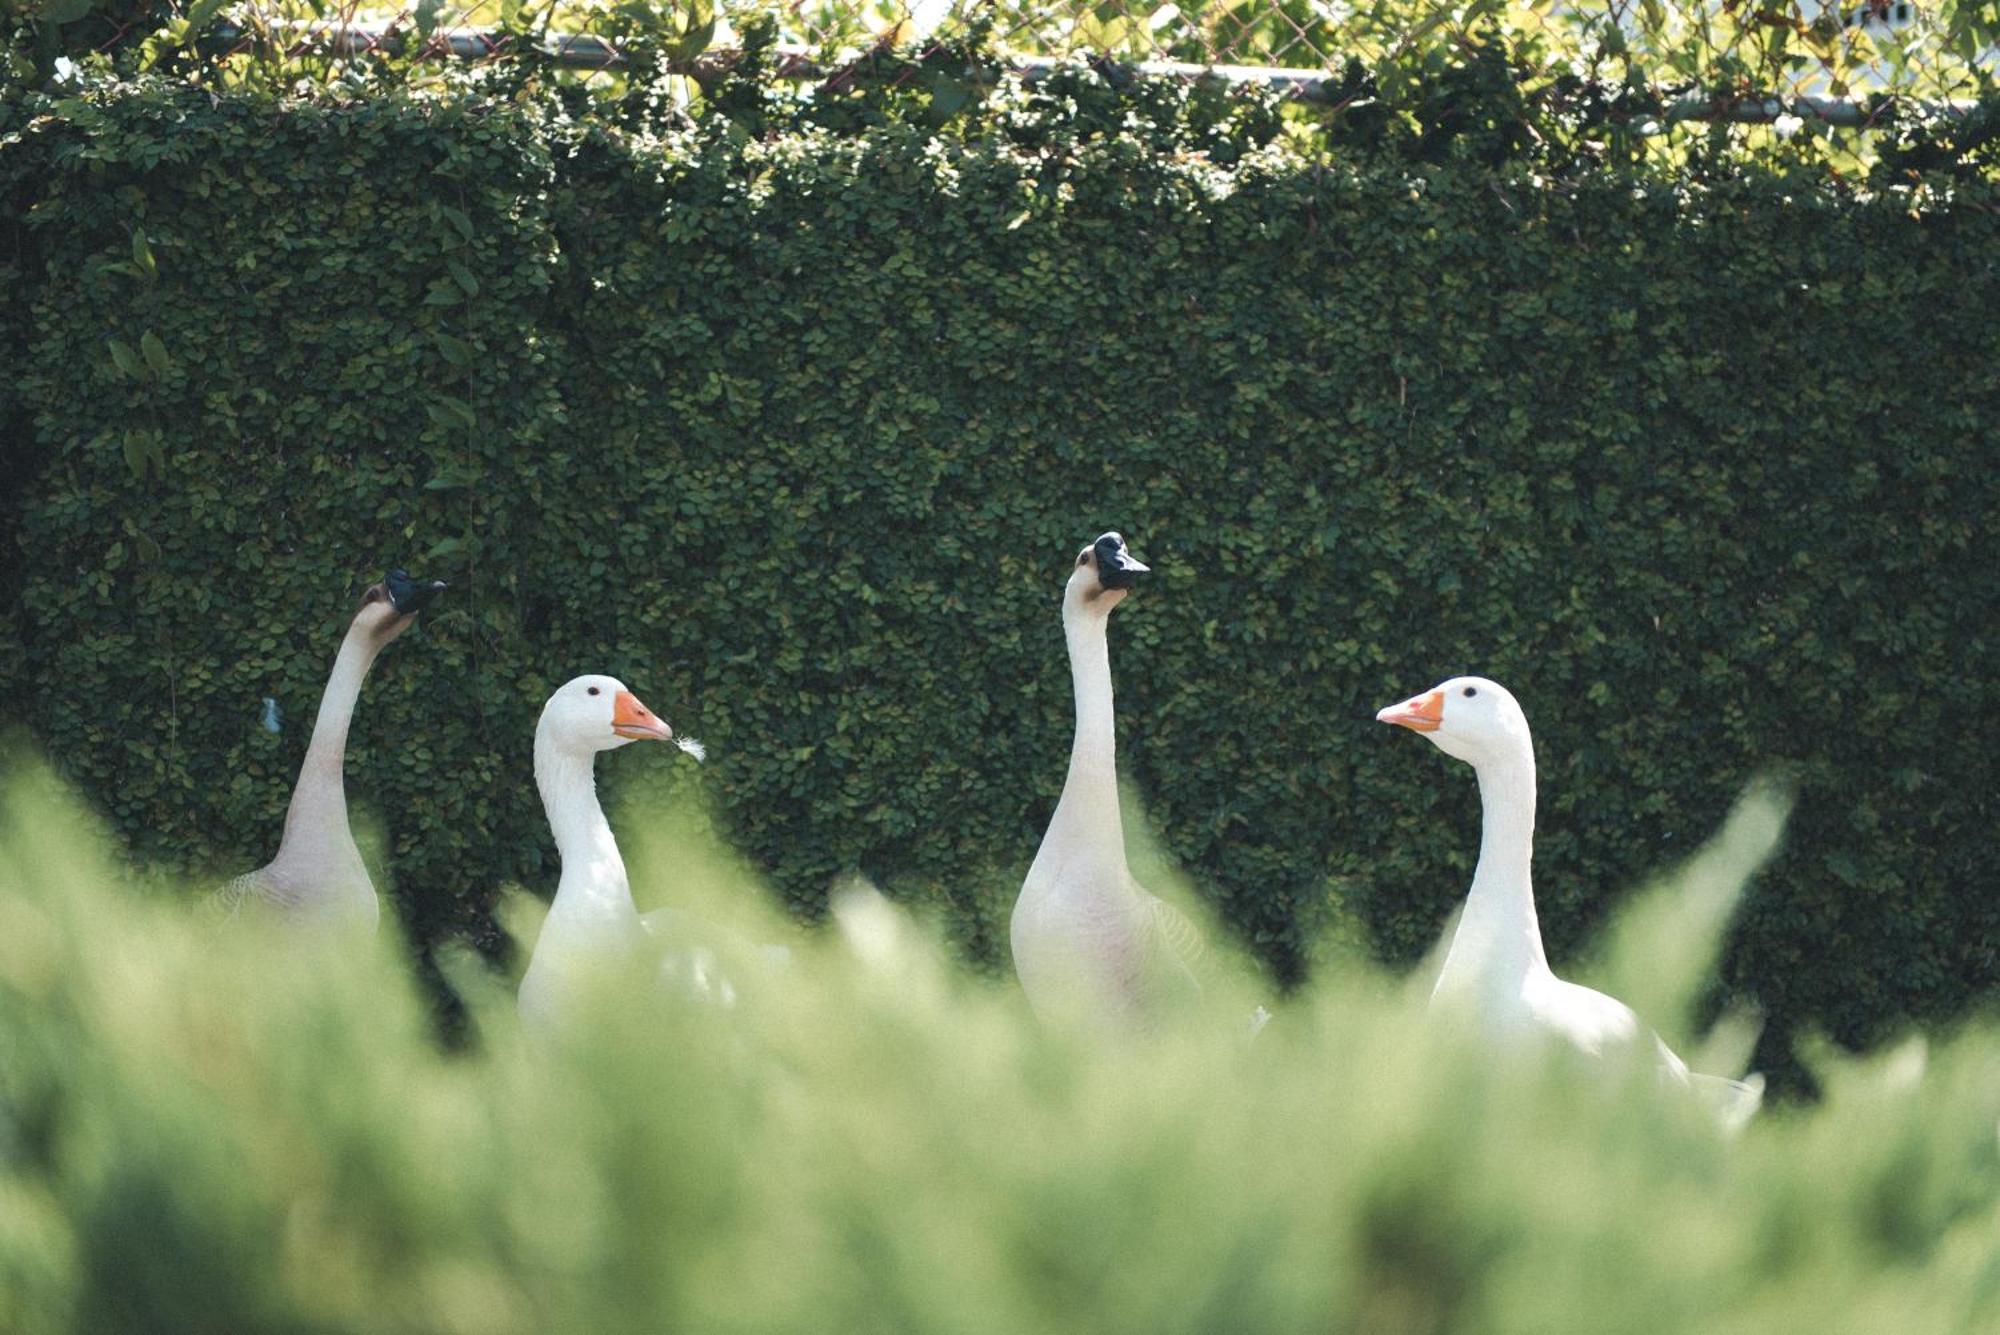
(234, 1131)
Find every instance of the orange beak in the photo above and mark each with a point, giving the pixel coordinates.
(631, 719)
(1422, 713)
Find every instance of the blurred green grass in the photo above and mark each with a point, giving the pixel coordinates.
(206, 1130)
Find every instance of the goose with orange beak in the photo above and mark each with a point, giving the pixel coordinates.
(593, 921)
(1496, 973)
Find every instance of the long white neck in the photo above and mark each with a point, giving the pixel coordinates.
(593, 887)
(316, 822)
(1499, 940)
(1086, 819)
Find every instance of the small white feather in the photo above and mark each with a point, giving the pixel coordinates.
(692, 747)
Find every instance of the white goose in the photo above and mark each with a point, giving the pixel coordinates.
(318, 875)
(1496, 970)
(593, 922)
(1087, 938)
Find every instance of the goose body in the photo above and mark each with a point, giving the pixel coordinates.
(1086, 936)
(1496, 973)
(318, 874)
(594, 926)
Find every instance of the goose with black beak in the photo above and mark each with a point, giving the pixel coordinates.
(318, 875)
(1088, 940)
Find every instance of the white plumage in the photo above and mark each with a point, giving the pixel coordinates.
(1496, 972)
(318, 875)
(594, 926)
(1088, 939)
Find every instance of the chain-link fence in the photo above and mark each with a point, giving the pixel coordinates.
(1815, 45)
(1751, 59)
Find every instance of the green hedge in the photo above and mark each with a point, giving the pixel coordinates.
(798, 435)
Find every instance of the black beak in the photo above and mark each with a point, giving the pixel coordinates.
(411, 596)
(1116, 567)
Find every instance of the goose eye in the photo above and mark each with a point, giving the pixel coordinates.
(595, 691)
(1471, 691)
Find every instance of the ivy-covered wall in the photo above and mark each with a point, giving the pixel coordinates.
(799, 434)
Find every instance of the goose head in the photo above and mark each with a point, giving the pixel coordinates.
(389, 608)
(1105, 571)
(596, 713)
(1471, 718)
